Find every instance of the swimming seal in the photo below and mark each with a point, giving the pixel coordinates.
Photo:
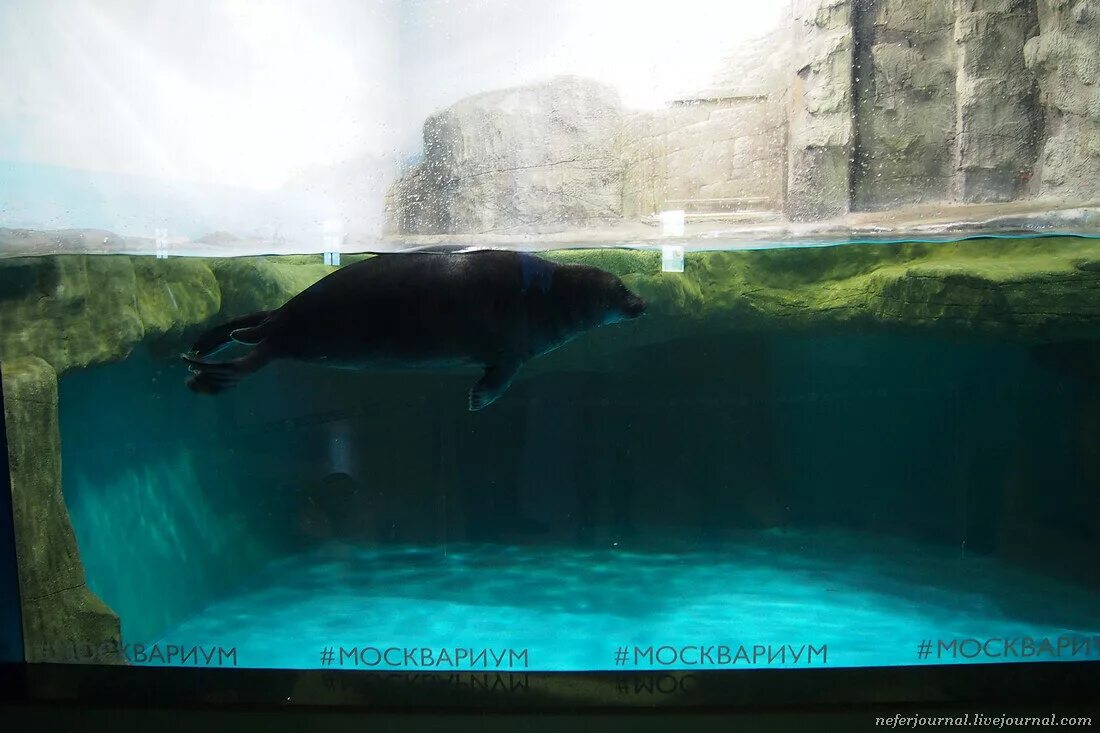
(426, 310)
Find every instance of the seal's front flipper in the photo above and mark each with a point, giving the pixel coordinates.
(217, 338)
(251, 336)
(492, 384)
(212, 377)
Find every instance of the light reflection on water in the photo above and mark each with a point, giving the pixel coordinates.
(871, 601)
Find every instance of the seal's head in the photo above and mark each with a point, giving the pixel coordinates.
(610, 301)
(626, 306)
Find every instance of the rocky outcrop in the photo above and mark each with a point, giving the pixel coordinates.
(74, 310)
(997, 116)
(695, 157)
(1065, 57)
(535, 158)
(855, 105)
(1030, 291)
(718, 152)
(820, 132)
(1026, 289)
(249, 284)
(905, 83)
(58, 608)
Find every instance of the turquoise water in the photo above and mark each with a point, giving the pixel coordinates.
(854, 492)
(856, 599)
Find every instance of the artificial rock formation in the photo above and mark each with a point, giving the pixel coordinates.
(58, 314)
(694, 157)
(522, 159)
(717, 152)
(997, 115)
(1065, 57)
(855, 105)
(905, 112)
(73, 311)
(1031, 288)
(1028, 291)
(62, 618)
(820, 132)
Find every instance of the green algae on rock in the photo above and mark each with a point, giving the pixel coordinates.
(77, 310)
(71, 310)
(1025, 289)
(174, 294)
(74, 311)
(251, 284)
(56, 602)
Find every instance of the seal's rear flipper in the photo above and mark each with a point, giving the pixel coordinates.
(492, 385)
(217, 338)
(210, 377)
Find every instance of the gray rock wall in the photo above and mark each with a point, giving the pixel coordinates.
(718, 150)
(645, 164)
(855, 105)
(707, 156)
(540, 157)
(904, 82)
(74, 311)
(997, 116)
(819, 118)
(1065, 58)
(58, 608)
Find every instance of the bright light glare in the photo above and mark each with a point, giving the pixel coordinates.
(250, 93)
(237, 92)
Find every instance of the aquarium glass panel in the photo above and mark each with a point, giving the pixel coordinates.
(507, 336)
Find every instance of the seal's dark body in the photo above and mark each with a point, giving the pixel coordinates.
(425, 310)
(490, 309)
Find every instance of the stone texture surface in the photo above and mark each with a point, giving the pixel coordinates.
(249, 284)
(1025, 290)
(709, 156)
(819, 121)
(174, 294)
(543, 156)
(57, 604)
(75, 310)
(1065, 57)
(997, 114)
(71, 311)
(719, 150)
(905, 65)
(851, 105)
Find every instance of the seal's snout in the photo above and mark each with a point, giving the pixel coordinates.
(635, 306)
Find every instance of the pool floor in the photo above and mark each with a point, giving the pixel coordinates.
(767, 599)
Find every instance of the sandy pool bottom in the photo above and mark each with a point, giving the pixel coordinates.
(757, 601)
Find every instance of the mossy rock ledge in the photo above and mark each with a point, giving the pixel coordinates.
(73, 311)
(62, 619)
